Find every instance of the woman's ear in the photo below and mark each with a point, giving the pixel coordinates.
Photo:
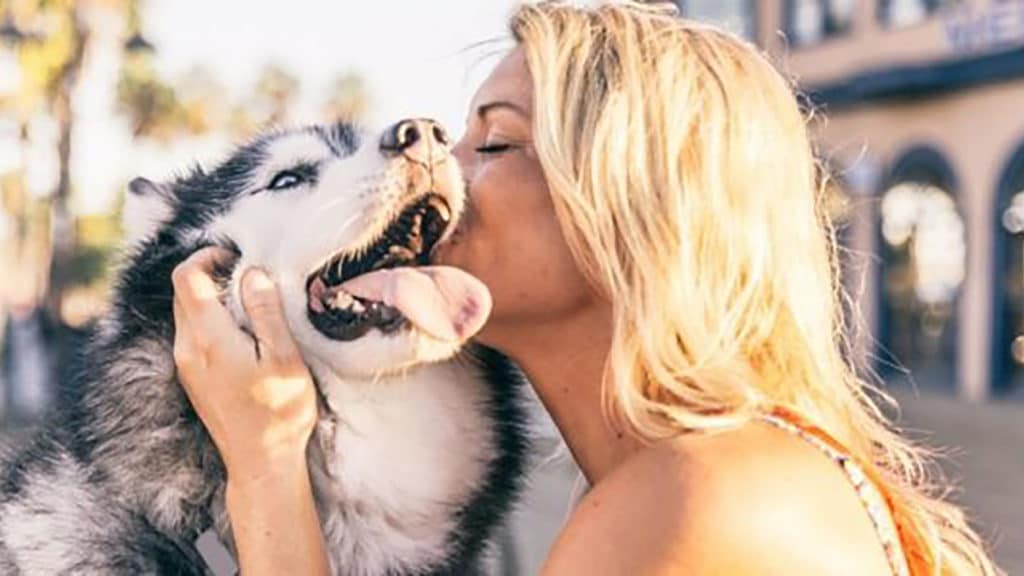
(147, 206)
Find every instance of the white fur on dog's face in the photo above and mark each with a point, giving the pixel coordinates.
(293, 232)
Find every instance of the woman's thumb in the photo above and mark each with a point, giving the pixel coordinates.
(262, 304)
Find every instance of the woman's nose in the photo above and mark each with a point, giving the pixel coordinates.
(419, 139)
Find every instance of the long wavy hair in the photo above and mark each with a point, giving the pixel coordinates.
(683, 176)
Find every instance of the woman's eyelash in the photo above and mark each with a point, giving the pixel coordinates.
(494, 148)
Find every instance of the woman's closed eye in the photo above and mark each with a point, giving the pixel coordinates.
(494, 148)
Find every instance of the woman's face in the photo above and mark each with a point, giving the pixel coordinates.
(509, 237)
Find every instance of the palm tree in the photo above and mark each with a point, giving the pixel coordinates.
(151, 103)
(275, 91)
(50, 66)
(348, 99)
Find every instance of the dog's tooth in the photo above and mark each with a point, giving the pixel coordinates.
(399, 254)
(400, 251)
(442, 208)
(342, 300)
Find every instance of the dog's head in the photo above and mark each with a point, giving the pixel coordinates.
(344, 223)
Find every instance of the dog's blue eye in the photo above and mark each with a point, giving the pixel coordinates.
(285, 179)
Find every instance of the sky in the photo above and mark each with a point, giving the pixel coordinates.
(416, 55)
(419, 58)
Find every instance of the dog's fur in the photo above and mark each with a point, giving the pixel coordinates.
(419, 450)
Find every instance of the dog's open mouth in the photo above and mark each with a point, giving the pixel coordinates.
(407, 241)
(389, 283)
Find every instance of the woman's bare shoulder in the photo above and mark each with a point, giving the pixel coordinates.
(753, 500)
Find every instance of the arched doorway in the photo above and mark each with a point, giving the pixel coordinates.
(923, 249)
(1008, 284)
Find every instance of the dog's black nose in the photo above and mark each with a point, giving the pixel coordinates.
(417, 138)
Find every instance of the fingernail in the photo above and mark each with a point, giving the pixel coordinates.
(259, 280)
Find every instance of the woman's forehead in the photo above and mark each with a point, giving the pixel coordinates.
(509, 82)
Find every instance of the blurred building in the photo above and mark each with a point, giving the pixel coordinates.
(923, 106)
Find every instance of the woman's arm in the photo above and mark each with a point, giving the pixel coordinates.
(275, 524)
(256, 398)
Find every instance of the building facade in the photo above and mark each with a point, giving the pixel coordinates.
(921, 118)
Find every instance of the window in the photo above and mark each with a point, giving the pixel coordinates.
(923, 267)
(736, 16)
(1008, 318)
(1013, 292)
(898, 13)
(811, 21)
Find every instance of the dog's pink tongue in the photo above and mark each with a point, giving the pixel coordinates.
(445, 302)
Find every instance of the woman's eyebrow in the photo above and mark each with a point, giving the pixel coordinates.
(484, 109)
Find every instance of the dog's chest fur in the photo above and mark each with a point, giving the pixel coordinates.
(395, 458)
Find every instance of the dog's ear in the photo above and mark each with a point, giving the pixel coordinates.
(147, 206)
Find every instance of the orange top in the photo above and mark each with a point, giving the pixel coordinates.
(904, 545)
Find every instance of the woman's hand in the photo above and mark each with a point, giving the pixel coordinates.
(256, 398)
(253, 393)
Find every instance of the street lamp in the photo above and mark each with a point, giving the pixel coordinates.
(14, 36)
(9, 31)
(138, 44)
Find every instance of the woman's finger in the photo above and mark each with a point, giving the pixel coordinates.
(199, 296)
(185, 355)
(181, 339)
(262, 304)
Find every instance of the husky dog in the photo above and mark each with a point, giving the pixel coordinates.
(420, 447)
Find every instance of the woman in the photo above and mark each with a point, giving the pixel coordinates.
(673, 301)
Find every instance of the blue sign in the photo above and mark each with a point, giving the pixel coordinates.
(971, 29)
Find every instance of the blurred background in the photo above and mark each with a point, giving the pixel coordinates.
(919, 115)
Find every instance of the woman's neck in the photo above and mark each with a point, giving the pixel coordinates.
(565, 363)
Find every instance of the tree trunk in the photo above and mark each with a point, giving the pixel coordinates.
(61, 224)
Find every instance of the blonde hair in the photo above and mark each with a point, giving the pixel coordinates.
(683, 177)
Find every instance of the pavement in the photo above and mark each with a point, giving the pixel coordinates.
(984, 447)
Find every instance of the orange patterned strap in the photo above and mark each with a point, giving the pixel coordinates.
(869, 489)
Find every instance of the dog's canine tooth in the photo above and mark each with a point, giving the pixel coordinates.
(437, 203)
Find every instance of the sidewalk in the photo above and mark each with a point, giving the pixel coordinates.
(985, 443)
